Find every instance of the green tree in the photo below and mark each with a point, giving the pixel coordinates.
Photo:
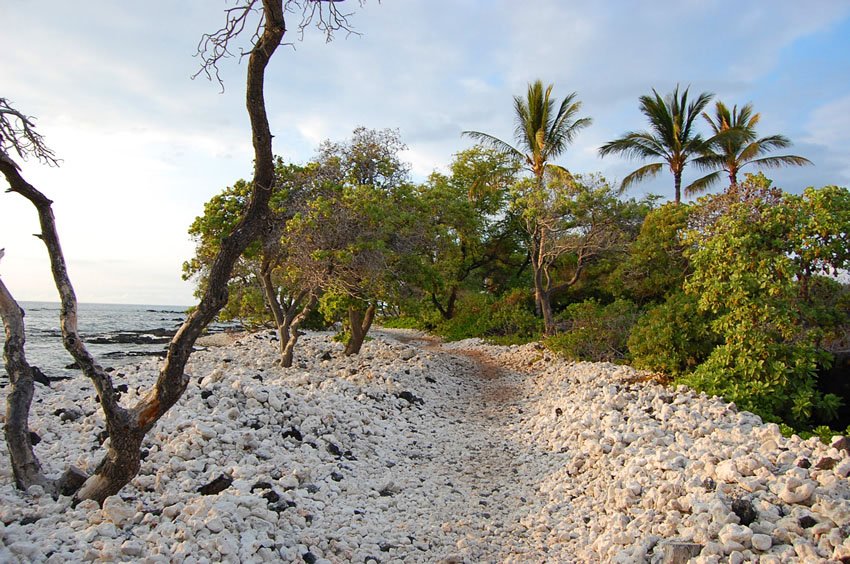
(542, 133)
(748, 267)
(672, 138)
(655, 265)
(736, 145)
(571, 223)
(469, 229)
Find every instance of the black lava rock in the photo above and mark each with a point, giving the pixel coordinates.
(216, 486)
(334, 450)
(410, 398)
(294, 433)
(807, 521)
(745, 511)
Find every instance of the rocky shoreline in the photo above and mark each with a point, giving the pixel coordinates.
(462, 452)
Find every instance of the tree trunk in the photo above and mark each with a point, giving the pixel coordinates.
(115, 471)
(25, 465)
(677, 185)
(273, 303)
(292, 323)
(359, 322)
(548, 317)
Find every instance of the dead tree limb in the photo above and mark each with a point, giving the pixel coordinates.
(25, 465)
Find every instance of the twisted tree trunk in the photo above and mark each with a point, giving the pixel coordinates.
(359, 321)
(25, 465)
(122, 462)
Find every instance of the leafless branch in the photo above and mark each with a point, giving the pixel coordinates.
(246, 15)
(17, 132)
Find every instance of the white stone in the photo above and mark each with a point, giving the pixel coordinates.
(761, 542)
(117, 511)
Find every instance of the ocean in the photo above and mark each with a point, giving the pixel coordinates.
(116, 335)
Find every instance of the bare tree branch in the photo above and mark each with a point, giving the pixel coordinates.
(17, 132)
(218, 45)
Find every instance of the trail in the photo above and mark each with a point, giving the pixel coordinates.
(487, 486)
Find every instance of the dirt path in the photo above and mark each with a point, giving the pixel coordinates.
(486, 488)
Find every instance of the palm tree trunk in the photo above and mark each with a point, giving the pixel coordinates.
(677, 181)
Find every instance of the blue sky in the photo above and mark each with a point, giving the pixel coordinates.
(144, 146)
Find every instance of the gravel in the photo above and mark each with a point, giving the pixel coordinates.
(419, 452)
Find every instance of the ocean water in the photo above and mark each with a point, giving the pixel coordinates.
(116, 335)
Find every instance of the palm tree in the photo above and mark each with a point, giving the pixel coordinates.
(541, 133)
(736, 145)
(672, 137)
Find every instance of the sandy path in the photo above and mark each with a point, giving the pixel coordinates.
(486, 487)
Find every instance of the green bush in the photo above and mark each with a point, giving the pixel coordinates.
(595, 332)
(751, 267)
(507, 320)
(673, 337)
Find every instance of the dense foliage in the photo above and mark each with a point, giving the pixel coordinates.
(741, 293)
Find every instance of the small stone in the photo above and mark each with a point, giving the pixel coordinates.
(826, 463)
(131, 548)
(215, 525)
(761, 542)
(842, 469)
(732, 533)
(726, 471)
(117, 511)
(794, 491)
(216, 486)
(745, 511)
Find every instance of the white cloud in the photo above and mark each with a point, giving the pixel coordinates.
(144, 146)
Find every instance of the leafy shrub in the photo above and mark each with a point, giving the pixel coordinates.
(595, 332)
(673, 337)
(506, 320)
(751, 266)
(655, 265)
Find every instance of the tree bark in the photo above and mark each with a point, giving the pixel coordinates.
(122, 462)
(359, 322)
(118, 419)
(293, 321)
(25, 464)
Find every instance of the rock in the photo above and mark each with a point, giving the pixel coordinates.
(826, 463)
(676, 552)
(761, 542)
(132, 549)
(293, 433)
(796, 491)
(807, 521)
(732, 533)
(117, 511)
(842, 469)
(726, 471)
(216, 486)
(841, 443)
(410, 398)
(745, 511)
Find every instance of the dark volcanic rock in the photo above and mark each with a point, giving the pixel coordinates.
(294, 433)
(410, 398)
(216, 486)
(745, 511)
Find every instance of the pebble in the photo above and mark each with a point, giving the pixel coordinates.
(407, 454)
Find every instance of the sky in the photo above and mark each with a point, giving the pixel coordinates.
(143, 146)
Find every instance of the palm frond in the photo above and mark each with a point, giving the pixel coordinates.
(646, 171)
(779, 161)
(701, 185)
(494, 143)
